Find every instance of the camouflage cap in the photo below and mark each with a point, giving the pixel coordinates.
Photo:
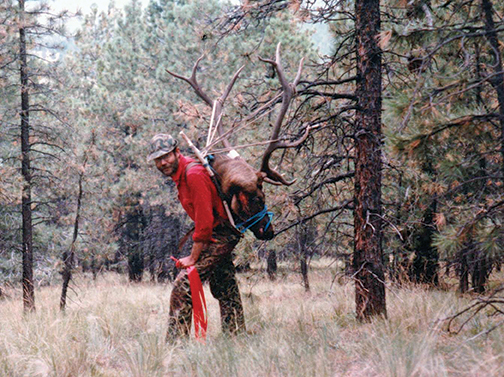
(160, 145)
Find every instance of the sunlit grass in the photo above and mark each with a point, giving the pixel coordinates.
(112, 328)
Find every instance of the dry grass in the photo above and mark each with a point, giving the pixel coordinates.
(112, 328)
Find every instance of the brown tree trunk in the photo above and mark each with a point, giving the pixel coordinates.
(303, 238)
(69, 257)
(367, 258)
(425, 268)
(304, 272)
(480, 273)
(272, 266)
(27, 227)
(463, 271)
(400, 264)
(94, 267)
(67, 275)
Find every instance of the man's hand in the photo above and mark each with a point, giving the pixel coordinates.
(193, 258)
(186, 262)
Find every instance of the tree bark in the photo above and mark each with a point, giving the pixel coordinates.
(480, 271)
(272, 265)
(303, 238)
(304, 272)
(94, 267)
(367, 258)
(69, 257)
(463, 271)
(135, 265)
(425, 268)
(27, 227)
(132, 237)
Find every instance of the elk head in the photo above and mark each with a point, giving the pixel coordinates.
(240, 183)
(242, 187)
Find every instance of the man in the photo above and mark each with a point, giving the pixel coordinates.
(214, 240)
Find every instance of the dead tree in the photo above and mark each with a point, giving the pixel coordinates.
(69, 256)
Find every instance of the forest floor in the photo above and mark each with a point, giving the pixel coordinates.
(113, 328)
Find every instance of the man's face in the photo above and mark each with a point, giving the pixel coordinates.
(168, 164)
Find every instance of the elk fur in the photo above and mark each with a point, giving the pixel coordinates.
(241, 186)
(236, 174)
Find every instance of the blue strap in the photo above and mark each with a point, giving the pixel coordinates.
(247, 224)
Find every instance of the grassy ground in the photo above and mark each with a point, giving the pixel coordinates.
(112, 328)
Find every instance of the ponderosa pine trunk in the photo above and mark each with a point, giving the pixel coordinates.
(463, 268)
(27, 226)
(303, 238)
(69, 257)
(272, 266)
(367, 259)
(304, 272)
(480, 272)
(425, 268)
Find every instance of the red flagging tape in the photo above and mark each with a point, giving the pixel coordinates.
(199, 303)
(200, 313)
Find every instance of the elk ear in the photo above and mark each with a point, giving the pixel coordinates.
(238, 199)
(243, 199)
(239, 202)
(235, 204)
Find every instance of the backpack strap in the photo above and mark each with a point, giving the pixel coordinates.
(189, 166)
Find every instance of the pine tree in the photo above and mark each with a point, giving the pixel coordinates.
(26, 206)
(448, 133)
(30, 60)
(126, 96)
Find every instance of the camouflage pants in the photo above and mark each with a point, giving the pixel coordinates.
(214, 265)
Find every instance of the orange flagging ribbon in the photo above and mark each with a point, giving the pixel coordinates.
(198, 300)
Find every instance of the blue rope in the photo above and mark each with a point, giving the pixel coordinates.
(243, 227)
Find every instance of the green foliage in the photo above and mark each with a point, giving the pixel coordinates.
(47, 128)
(442, 138)
(111, 93)
(122, 92)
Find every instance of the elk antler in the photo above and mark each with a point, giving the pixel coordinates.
(289, 90)
(218, 104)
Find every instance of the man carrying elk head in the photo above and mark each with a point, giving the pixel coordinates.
(214, 237)
(240, 186)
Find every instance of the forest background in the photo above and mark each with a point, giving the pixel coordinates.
(88, 202)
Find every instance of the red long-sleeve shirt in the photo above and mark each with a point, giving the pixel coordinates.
(199, 198)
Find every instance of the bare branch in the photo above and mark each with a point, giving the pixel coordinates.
(345, 205)
(328, 181)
